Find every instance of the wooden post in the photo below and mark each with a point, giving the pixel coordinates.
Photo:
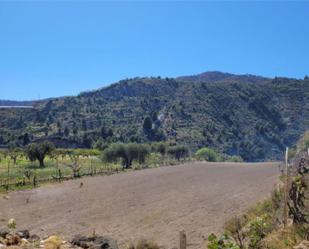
(286, 188)
(34, 182)
(60, 175)
(182, 240)
(8, 175)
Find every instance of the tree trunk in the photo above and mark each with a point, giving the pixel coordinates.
(41, 161)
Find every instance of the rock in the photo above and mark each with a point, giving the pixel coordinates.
(2, 246)
(34, 238)
(24, 234)
(95, 242)
(3, 232)
(12, 239)
(23, 243)
(303, 245)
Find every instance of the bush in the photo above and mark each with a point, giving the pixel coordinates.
(207, 154)
(178, 151)
(160, 148)
(224, 242)
(126, 152)
(234, 227)
(235, 159)
(258, 229)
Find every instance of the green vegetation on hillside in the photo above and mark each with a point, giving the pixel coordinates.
(247, 116)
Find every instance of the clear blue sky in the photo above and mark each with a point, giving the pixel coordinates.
(61, 48)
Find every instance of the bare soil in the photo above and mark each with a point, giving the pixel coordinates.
(153, 204)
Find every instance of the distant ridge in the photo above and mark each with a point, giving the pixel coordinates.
(16, 106)
(12, 103)
(251, 116)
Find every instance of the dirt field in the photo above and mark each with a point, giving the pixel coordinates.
(153, 203)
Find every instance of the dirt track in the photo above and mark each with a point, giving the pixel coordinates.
(153, 203)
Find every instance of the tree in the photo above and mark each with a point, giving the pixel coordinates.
(14, 153)
(127, 153)
(74, 165)
(38, 151)
(26, 139)
(207, 154)
(161, 148)
(147, 125)
(178, 151)
(66, 131)
(306, 78)
(154, 116)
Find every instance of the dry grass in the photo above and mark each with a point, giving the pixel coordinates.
(144, 244)
(53, 242)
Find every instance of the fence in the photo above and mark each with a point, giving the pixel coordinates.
(16, 176)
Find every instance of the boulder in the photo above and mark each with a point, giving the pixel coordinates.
(12, 239)
(34, 238)
(4, 231)
(24, 234)
(95, 242)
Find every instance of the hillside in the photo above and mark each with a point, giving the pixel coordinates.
(253, 116)
(10, 103)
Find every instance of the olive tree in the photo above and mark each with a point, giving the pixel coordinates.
(38, 151)
(127, 153)
(178, 151)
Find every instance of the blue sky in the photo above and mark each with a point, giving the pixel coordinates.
(62, 48)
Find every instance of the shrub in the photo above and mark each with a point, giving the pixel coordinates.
(235, 159)
(207, 154)
(126, 152)
(160, 148)
(258, 228)
(53, 242)
(11, 224)
(224, 242)
(178, 151)
(234, 227)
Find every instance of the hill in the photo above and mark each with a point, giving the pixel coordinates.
(252, 116)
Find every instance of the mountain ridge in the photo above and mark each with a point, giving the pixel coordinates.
(253, 116)
(207, 74)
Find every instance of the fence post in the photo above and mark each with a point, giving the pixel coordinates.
(285, 219)
(34, 182)
(60, 176)
(182, 240)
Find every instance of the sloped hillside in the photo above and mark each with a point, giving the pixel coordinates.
(252, 116)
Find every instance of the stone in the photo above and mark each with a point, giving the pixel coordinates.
(95, 242)
(34, 238)
(4, 231)
(24, 234)
(12, 239)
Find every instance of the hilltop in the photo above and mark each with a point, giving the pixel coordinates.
(253, 116)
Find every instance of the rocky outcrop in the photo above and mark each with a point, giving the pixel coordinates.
(95, 242)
